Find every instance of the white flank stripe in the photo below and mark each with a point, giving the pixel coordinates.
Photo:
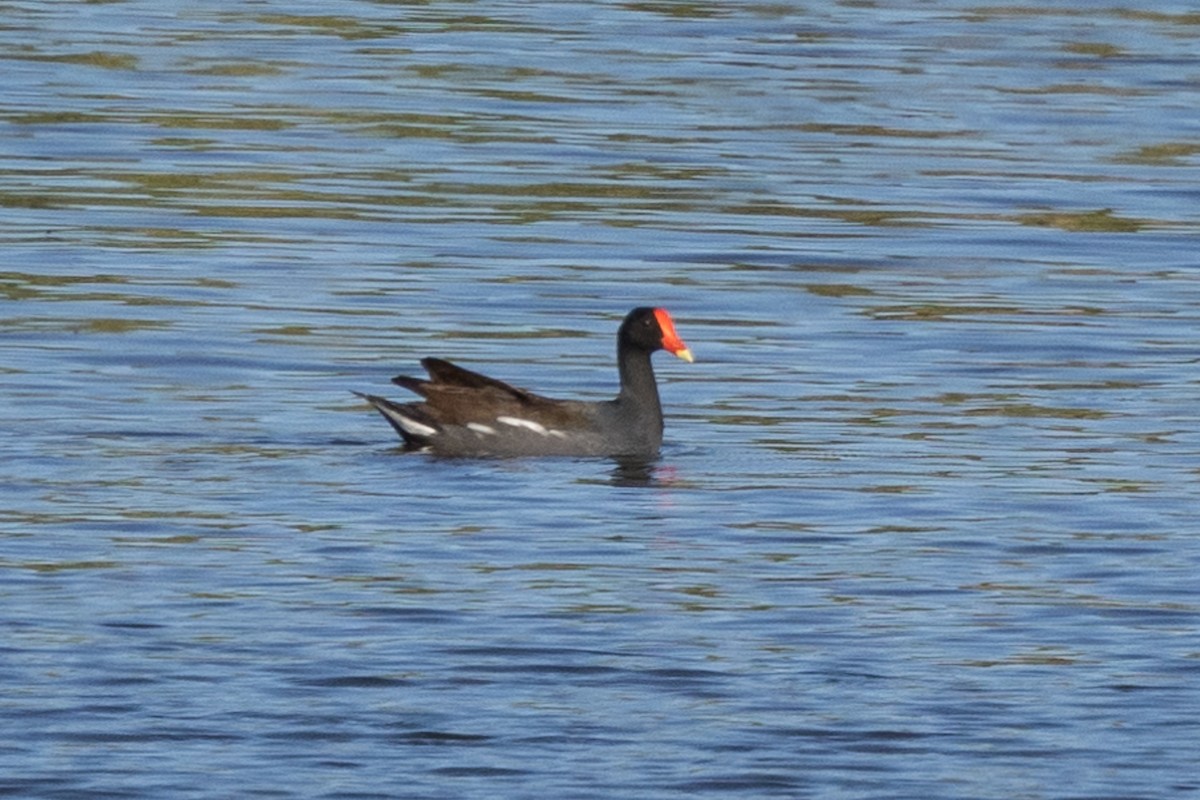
(557, 434)
(480, 428)
(517, 422)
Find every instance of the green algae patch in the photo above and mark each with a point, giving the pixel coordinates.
(1098, 49)
(343, 27)
(63, 566)
(1030, 410)
(942, 311)
(240, 69)
(1167, 154)
(96, 58)
(836, 290)
(1099, 221)
(679, 10)
(109, 325)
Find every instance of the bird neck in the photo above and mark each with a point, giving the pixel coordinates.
(639, 390)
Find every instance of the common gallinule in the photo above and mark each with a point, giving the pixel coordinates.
(468, 414)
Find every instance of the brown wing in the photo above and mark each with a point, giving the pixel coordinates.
(456, 396)
(444, 372)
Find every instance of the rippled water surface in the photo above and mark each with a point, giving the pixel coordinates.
(926, 523)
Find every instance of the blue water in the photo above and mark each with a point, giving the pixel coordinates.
(925, 523)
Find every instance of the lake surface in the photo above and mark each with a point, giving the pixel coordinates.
(927, 521)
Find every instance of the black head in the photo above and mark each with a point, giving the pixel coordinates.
(652, 329)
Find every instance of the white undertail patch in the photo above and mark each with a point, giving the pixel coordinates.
(410, 425)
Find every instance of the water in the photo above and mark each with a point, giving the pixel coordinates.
(925, 523)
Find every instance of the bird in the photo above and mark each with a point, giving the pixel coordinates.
(466, 414)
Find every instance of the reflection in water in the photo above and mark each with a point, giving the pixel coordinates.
(638, 472)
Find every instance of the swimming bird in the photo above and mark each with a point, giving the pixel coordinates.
(464, 413)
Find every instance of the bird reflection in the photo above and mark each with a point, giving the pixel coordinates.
(643, 472)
